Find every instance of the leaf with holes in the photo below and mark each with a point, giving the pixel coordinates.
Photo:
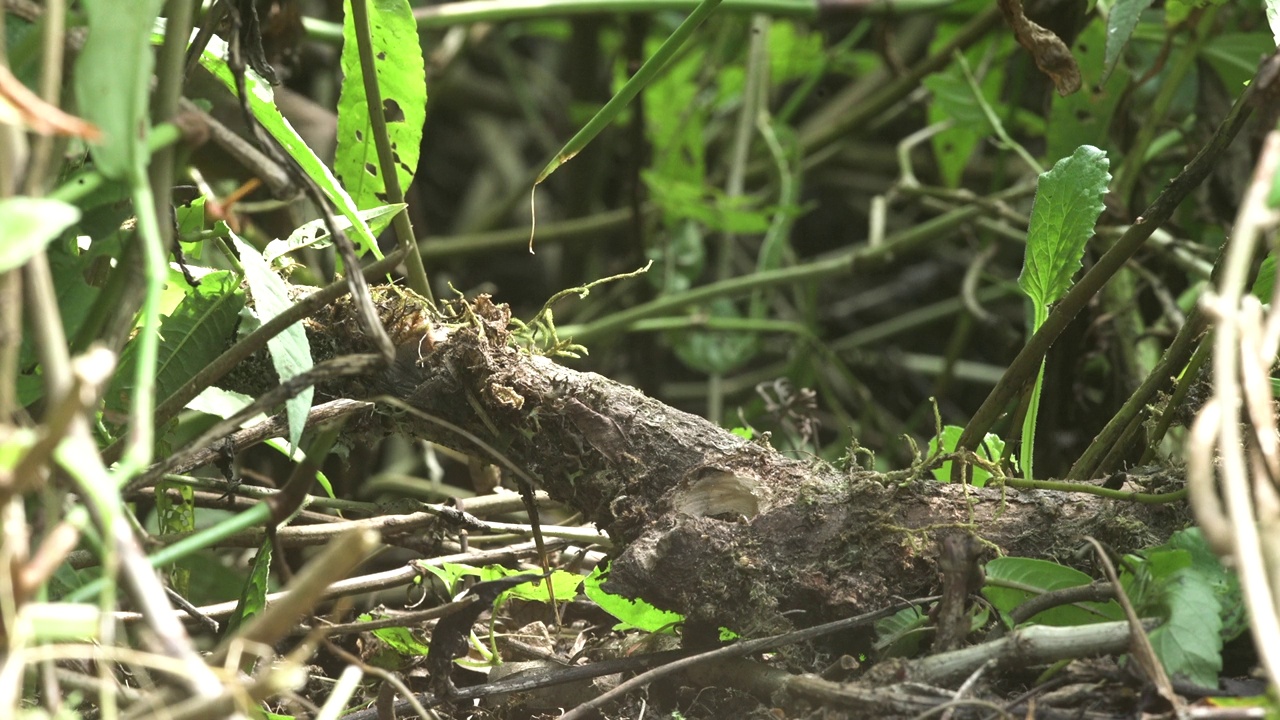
(402, 82)
(262, 104)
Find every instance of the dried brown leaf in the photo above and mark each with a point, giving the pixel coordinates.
(1052, 56)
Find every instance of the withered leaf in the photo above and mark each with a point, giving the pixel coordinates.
(1052, 56)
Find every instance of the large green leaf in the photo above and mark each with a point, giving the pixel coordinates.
(192, 336)
(262, 104)
(290, 351)
(631, 614)
(1039, 577)
(29, 225)
(113, 81)
(1189, 642)
(402, 82)
(1068, 203)
(1223, 581)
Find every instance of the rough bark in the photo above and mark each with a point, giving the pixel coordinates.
(726, 531)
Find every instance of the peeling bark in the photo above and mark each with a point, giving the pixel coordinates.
(726, 531)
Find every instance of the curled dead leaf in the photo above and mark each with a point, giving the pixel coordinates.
(1052, 56)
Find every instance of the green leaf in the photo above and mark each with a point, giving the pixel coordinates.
(1068, 203)
(1084, 117)
(290, 351)
(1182, 583)
(1273, 19)
(174, 517)
(253, 597)
(1120, 25)
(1041, 576)
(794, 52)
(1189, 643)
(1234, 56)
(679, 149)
(992, 449)
(901, 634)
(316, 234)
(451, 573)
(716, 351)
(631, 614)
(263, 106)
(191, 337)
(564, 584)
(402, 640)
(952, 99)
(656, 63)
(29, 225)
(402, 80)
(113, 81)
(1223, 581)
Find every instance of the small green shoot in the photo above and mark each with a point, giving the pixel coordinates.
(992, 449)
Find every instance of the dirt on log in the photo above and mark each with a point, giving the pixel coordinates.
(726, 531)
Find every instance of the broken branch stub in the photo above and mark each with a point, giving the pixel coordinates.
(726, 531)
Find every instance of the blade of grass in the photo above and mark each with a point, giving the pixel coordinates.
(647, 72)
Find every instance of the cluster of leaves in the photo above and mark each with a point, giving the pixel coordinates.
(1181, 583)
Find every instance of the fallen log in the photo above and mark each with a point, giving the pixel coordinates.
(726, 531)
